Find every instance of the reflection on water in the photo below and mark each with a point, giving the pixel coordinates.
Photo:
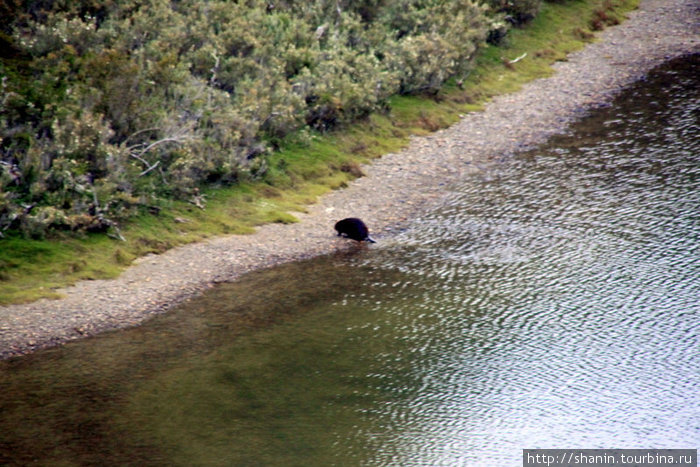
(554, 304)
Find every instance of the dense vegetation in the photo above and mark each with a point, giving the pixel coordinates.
(44, 189)
(107, 107)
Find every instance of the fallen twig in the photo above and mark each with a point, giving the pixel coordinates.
(517, 59)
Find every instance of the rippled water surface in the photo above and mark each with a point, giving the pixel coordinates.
(552, 303)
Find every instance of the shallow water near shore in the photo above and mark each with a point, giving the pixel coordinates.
(554, 302)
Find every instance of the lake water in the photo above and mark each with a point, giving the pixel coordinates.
(552, 303)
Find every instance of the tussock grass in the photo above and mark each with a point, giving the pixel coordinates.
(300, 172)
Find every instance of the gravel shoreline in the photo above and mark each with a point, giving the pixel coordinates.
(395, 187)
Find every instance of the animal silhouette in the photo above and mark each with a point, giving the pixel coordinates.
(353, 228)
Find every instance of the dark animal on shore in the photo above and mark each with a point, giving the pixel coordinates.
(353, 228)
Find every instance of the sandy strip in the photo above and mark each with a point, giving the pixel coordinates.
(395, 187)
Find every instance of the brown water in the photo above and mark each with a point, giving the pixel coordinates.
(553, 303)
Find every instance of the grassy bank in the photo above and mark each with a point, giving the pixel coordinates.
(304, 169)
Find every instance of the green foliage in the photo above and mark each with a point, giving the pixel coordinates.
(516, 11)
(108, 107)
(434, 41)
(308, 163)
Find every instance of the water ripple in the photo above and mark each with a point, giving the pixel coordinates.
(566, 291)
(555, 303)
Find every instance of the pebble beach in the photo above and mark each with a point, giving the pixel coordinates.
(395, 187)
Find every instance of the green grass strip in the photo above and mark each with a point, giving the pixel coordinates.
(31, 269)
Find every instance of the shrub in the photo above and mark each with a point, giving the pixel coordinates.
(516, 11)
(108, 106)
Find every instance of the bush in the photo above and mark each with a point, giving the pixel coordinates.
(516, 11)
(108, 106)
